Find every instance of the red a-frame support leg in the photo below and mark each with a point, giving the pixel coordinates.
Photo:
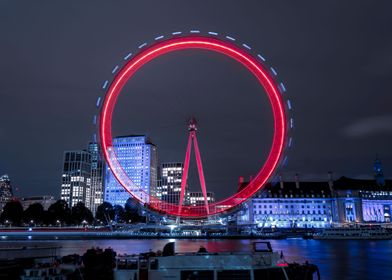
(193, 138)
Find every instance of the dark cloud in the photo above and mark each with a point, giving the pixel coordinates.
(372, 126)
(333, 57)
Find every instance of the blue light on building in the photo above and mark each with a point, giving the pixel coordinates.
(338, 202)
(291, 204)
(359, 200)
(138, 158)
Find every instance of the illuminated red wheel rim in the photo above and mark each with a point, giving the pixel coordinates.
(205, 43)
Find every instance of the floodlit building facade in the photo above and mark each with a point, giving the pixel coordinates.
(360, 201)
(343, 201)
(138, 158)
(291, 205)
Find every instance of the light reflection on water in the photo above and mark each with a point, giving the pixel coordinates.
(337, 259)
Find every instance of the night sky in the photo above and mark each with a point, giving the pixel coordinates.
(334, 58)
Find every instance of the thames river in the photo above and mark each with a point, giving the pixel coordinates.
(336, 259)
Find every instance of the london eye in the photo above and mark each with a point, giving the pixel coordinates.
(241, 54)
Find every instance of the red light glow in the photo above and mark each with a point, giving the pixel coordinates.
(211, 44)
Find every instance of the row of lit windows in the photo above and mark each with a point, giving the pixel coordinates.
(265, 200)
(193, 199)
(289, 206)
(296, 196)
(320, 212)
(77, 179)
(282, 219)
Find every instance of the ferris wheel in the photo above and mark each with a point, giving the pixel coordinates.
(228, 46)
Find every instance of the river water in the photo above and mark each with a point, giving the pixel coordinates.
(336, 259)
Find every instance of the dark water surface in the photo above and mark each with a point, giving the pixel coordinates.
(336, 259)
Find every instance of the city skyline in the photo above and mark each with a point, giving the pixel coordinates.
(335, 73)
(377, 176)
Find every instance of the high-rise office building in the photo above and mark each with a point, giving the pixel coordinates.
(170, 182)
(197, 198)
(97, 176)
(76, 178)
(5, 191)
(138, 159)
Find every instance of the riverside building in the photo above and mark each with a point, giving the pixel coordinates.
(290, 204)
(345, 201)
(82, 177)
(170, 182)
(197, 198)
(76, 178)
(137, 156)
(97, 176)
(369, 201)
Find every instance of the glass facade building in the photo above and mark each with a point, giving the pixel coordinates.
(197, 198)
(5, 191)
(138, 158)
(97, 176)
(76, 178)
(170, 182)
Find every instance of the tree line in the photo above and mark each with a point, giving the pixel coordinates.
(60, 214)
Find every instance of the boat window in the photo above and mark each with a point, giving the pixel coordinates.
(233, 275)
(121, 264)
(154, 264)
(132, 264)
(197, 275)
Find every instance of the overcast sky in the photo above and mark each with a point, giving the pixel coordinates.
(334, 58)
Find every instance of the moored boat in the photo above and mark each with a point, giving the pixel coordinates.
(374, 233)
(261, 263)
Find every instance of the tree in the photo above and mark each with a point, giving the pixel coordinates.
(12, 212)
(80, 213)
(59, 212)
(118, 213)
(35, 213)
(132, 211)
(105, 213)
